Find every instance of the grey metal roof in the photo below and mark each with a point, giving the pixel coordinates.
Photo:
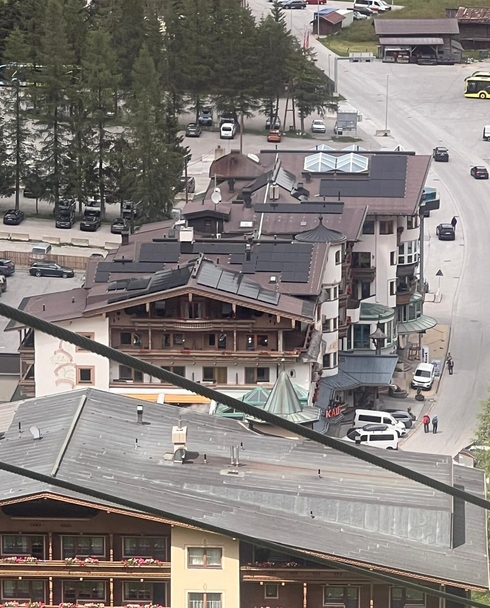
(416, 27)
(371, 311)
(284, 402)
(361, 512)
(423, 323)
(320, 234)
(411, 41)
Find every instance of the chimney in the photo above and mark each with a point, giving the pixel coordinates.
(125, 237)
(179, 439)
(139, 412)
(248, 252)
(307, 176)
(274, 192)
(247, 197)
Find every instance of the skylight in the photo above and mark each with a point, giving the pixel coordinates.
(347, 163)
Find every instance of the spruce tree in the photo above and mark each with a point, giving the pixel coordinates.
(16, 134)
(53, 96)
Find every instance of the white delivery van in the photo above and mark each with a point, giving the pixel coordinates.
(486, 133)
(374, 435)
(362, 417)
(227, 130)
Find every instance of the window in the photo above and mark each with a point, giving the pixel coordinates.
(386, 227)
(176, 369)
(365, 290)
(178, 339)
(361, 259)
(330, 360)
(193, 310)
(271, 592)
(338, 258)
(23, 589)
(127, 373)
(217, 339)
(204, 600)
(412, 222)
(408, 252)
(166, 341)
(145, 546)
(329, 325)
(393, 258)
(89, 335)
(262, 341)
(85, 375)
(17, 544)
(336, 293)
(392, 288)
(138, 591)
(368, 227)
(361, 336)
(341, 596)
(215, 374)
(126, 338)
(83, 546)
(226, 310)
(250, 343)
(204, 557)
(257, 374)
(401, 597)
(75, 591)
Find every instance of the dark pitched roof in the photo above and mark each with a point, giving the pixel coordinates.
(236, 165)
(332, 17)
(320, 234)
(415, 27)
(362, 513)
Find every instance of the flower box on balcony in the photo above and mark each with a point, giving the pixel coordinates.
(22, 605)
(19, 560)
(137, 562)
(76, 561)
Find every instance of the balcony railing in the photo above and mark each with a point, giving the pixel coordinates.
(364, 274)
(87, 569)
(295, 573)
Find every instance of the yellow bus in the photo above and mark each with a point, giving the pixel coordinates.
(478, 85)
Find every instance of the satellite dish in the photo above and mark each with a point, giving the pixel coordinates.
(216, 196)
(253, 157)
(35, 432)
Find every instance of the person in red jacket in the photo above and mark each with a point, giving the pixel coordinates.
(426, 421)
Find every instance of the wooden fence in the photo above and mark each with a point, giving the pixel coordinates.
(26, 258)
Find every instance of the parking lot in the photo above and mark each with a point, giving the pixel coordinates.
(21, 285)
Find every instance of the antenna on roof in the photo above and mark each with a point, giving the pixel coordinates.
(35, 432)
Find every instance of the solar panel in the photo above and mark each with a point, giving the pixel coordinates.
(209, 276)
(294, 277)
(268, 296)
(229, 282)
(102, 277)
(117, 285)
(139, 284)
(160, 252)
(249, 290)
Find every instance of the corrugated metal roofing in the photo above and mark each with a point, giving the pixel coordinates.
(423, 323)
(361, 512)
(473, 14)
(415, 27)
(371, 311)
(411, 41)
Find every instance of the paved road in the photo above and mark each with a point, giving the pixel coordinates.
(426, 108)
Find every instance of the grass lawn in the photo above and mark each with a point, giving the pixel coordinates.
(344, 47)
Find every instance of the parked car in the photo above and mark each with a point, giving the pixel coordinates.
(316, 1)
(318, 126)
(191, 183)
(132, 210)
(479, 172)
(368, 7)
(206, 117)
(119, 225)
(90, 223)
(228, 130)
(359, 16)
(365, 10)
(274, 135)
(41, 248)
(362, 417)
(424, 376)
(7, 267)
(402, 416)
(294, 4)
(13, 217)
(486, 133)
(50, 269)
(440, 155)
(273, 123)
(445, 232)
(374, 435)
(193, 130)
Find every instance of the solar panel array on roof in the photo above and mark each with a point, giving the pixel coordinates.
(160, 252)
(236, 283)
(129, 267)
(118, 285)
(135, 284)
(169, 279)
(218, 248)
(307, 207)
(291, 261)
(285, 179)
(386, 179)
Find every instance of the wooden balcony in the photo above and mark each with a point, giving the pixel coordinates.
(167, 324)
(276, 574)
(403, 298)
(102, 569)
(207, 355)
(364, 274)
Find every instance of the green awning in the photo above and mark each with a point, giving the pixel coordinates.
(417, 326)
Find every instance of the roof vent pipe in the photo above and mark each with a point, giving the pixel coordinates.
(139, 412)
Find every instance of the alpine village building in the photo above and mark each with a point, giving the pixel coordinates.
(225, 517)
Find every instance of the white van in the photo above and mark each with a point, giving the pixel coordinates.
(227, 130)
(363, 417)
(486, 133)
(374, 435)
(41, 248)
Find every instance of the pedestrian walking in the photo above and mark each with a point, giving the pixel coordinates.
(450, 364)
(454, 221)
(435, 422)
(426, 421)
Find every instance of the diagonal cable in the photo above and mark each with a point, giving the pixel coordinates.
(152, 370)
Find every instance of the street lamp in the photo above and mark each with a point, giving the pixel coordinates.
(378, 337)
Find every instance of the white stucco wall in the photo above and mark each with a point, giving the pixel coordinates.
(332, 274)
(56, 361)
